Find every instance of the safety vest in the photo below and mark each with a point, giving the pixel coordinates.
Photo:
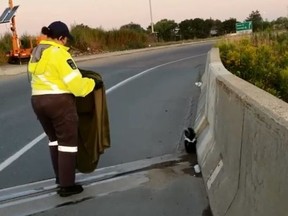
(54, 71)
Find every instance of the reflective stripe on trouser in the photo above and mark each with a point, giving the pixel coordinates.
(58, 117)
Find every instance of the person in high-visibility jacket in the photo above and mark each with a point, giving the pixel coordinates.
(56, 80)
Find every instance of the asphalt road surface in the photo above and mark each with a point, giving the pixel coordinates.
(150, 96)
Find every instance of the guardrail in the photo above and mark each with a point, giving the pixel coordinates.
(242, 144)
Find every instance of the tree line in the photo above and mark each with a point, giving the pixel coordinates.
(133, 36)
(169, 30)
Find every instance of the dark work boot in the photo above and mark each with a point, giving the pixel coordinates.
(68, 191)
(57, 180)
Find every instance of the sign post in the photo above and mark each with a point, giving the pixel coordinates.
(244, 27)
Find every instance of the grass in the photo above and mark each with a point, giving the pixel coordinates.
(261, 59)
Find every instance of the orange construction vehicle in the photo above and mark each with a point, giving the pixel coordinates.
(17, 54)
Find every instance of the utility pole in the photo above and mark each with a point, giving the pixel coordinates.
(152, 25)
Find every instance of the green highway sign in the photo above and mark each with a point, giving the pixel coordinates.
(244, 27)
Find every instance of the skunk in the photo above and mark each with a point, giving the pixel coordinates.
(190, 140)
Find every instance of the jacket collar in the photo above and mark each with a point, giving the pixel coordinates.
(52, 43)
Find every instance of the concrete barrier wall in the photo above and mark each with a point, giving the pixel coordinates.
(242, 145)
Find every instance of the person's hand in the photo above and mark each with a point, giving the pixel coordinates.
(98, 84)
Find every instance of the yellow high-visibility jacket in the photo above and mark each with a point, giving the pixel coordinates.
(54, 71)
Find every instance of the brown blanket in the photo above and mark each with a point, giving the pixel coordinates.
(94, 132)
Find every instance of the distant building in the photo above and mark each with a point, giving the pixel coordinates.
(214, 32)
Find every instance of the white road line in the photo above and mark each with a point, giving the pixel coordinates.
(148, 70)
(18, 154)
(21, 152)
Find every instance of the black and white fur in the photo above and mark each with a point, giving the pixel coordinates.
(190, 140)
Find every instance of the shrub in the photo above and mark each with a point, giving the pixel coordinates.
(88, 39)
(283, 84)
(97, 40)
(126, 39)
(261, 59)
(26, 41)
(5, 47)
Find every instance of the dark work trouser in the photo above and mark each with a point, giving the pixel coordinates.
(58, 117)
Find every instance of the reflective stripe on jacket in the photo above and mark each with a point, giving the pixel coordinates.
(54, 71)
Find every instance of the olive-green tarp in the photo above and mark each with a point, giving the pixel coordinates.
(94, 132)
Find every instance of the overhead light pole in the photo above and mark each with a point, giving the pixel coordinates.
(151, 16)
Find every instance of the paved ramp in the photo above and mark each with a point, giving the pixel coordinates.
(165, 185)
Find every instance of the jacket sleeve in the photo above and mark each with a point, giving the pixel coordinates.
(71, 76)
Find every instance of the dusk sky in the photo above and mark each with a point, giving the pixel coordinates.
(109, 14)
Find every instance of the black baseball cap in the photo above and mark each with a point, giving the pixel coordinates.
(59, 29)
